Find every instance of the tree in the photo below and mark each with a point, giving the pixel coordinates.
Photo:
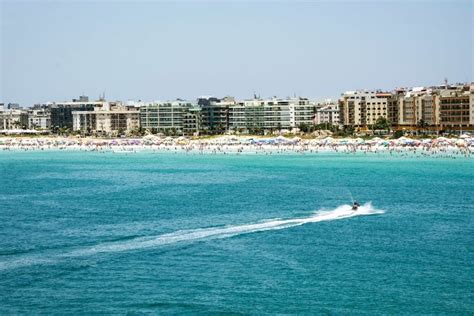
(382, 124)
(303, 127)
(421, 124)
(397, 134)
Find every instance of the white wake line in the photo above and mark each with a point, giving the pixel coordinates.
(341, 212)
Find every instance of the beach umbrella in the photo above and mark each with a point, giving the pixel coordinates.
(460, 142)
(182, 140)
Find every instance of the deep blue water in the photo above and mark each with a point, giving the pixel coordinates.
(87, 232)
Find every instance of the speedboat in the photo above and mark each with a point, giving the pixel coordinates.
(355, 206)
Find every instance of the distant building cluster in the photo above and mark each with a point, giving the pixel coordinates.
(439, 108)
(446, 107)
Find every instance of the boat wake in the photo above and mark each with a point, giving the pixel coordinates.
(183, 236)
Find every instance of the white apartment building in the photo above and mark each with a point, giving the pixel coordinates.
(327, 113)
(176, 117)
(39, 119)
(13, 119)
(302, 111)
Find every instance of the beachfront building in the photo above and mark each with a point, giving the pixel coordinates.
(238, 117)
(171, 118)
(61, 112)
(302, 112)
(456, 108)
(263, 116)
(438, 108)
(427, 109)
(108, 119)
(471, 104)
(257, 115)
(276, 114)
(39, 117)
(407, 110)
(13, 118)
(363, 108)
(327, 112)
(415, 108)
(215, 114)
(192, 120)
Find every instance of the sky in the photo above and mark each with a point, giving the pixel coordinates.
(157, 50)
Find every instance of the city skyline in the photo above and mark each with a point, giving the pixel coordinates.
(52, 50)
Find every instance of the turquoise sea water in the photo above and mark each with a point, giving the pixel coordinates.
(88, 232)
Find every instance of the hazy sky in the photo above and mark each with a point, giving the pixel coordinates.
(54, 51)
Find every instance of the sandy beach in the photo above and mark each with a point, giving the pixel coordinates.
(441, 146)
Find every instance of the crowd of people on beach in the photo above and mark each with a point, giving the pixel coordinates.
(462, 146)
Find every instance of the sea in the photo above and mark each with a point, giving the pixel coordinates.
(199, 234)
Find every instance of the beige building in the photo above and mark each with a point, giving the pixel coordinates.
(363, 108)
(414, 109)
(471, 104)
(109, 119)
(456, 109)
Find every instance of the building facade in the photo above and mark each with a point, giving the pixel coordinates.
(327, 113)
(108, 119)
(173, 118)
(215, 114)
(13, 119)
(456, 109)
(363, 108)
(39, 118)
(302, 111)
(61, 112)
(267, 115)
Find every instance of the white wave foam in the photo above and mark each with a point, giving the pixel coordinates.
(343, 211)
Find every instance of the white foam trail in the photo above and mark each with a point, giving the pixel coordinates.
(344, 211)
